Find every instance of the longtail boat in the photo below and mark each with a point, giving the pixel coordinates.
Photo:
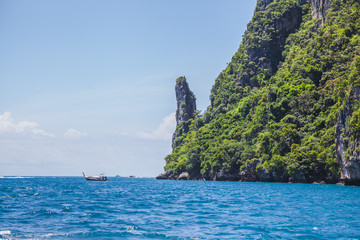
(95, 178)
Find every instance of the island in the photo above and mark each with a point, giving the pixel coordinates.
(287, 106)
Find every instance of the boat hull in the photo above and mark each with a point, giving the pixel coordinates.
(95, 179)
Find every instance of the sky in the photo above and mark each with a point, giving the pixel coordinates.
(88, 85)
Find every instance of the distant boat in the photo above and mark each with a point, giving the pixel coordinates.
(132, 176)
(102, 177)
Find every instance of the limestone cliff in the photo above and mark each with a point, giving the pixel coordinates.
(186, 109)
(347, 139)
(319, 8)
(264, 57)
(263, 4)
(260, 53)
(287, 106)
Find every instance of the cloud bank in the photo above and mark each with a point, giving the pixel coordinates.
(9, 125)
(164, 131)
(72, 133)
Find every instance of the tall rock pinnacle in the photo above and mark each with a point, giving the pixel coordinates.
(347, 140)
(186, 101)
(186, 108)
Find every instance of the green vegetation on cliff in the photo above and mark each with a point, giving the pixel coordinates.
(274, 108)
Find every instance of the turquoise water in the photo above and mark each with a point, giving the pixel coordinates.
(124, 208)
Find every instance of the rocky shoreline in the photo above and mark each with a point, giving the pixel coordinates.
(243, 177)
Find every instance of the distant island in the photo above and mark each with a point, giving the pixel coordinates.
(287, 106)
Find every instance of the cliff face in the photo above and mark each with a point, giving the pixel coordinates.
(286, 108)
(260, 53)
(347, 139)
(319, 8)
(263, 4)
(186, 109)
(264, 57)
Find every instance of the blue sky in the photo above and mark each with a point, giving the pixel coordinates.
(89, 85)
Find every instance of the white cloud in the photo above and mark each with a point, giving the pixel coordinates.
(9, 125)
(72, 133)
(164, 131)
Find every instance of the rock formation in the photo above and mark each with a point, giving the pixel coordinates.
(186, 109)
(347, 141)
(266, 55)
(184, 176)
(263, 4)
(167, 175)
(319, 8)
(287, 106)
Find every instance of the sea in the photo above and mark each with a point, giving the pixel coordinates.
(146, 208)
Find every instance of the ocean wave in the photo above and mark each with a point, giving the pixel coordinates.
(14, 177)
(5, 232)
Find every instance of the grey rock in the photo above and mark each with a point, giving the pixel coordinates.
(225, 176)
(263, 4)
(161, 177)
(167, 175)
(249, 174)
(266, 55)
(347, 142)
(184, 176)
(319, 8)
(279, 176)
(186, 101)
(186, 109)
(298, 178)
(254, 173)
